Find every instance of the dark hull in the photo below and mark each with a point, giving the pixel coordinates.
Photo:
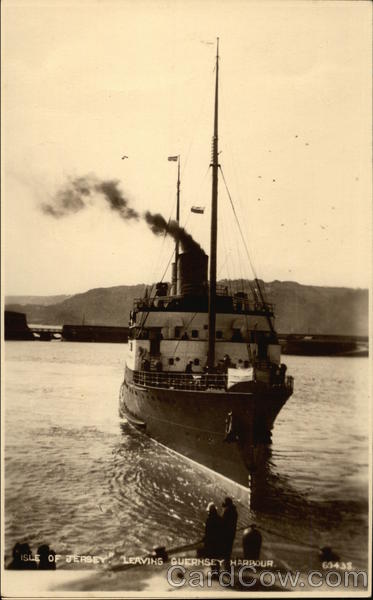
(194, 423)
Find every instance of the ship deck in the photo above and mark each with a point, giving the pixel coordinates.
(194, 382)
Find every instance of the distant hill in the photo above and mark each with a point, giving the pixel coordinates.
(299, 308)
(40, 300)
(100, 306)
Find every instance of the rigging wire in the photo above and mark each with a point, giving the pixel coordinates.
(168, 264)
(260, 300)
(253, 290)
(187, 326)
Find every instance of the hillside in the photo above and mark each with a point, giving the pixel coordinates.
(99, 306)
(41, 300)
(299, 308)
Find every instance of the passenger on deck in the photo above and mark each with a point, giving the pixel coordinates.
(251, 543)
(145, 364)
(221, 367)
(282, 372)
(227, 363)
(189, 367)
(184, 336)
(158, 366)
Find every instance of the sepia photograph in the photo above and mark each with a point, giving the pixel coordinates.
(186, 298)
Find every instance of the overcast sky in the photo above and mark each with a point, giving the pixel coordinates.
(85, 83)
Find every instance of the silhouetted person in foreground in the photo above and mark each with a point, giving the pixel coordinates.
(47, 557)
(16, 557)
(327, 555)
(229, 519)
(251, 543)
(213, 538)
(22, 557)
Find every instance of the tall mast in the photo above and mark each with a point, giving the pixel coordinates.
(214, 225)
(174, 264)
(177, 207)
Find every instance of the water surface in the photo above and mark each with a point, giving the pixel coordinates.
(79, 480)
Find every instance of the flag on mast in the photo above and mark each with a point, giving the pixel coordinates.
(172, 158)
(198, 209)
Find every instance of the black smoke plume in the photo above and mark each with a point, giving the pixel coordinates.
(80, 192)
(160, 226)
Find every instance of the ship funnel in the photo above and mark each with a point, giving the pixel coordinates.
(173, 279)
(192, 274)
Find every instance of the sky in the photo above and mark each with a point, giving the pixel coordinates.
(87, 82)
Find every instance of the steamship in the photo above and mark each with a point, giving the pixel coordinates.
(203, 373)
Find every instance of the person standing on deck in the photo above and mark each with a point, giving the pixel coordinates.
(227, 362)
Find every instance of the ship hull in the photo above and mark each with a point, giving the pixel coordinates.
(217, 429)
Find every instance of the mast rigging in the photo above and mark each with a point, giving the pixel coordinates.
(214, 225)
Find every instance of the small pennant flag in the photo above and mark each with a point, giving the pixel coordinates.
(198, 209)
(172, 158)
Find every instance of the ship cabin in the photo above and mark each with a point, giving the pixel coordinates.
(169, 331)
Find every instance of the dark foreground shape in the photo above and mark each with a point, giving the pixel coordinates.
(15, 326)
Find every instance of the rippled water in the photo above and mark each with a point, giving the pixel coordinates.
(79, 480)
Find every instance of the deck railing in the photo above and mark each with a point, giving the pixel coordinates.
(193, 381)
(239, 304)
(180, 381)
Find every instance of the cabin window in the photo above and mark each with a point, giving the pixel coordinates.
(246, 364)
(194, 333)
(170, 361)
(177, 332)
(219, 334)
(205, 327)
(177, 359)
(196, 361)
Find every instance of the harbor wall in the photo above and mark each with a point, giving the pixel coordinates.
(15, 326)
(95, 333)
